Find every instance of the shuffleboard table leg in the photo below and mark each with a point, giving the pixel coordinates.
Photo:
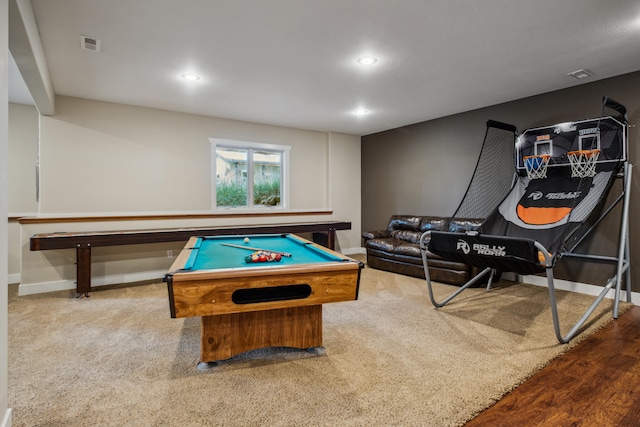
(83, 271)
(331, 239)
(328, 239)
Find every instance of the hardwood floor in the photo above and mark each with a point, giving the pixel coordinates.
(596, 383)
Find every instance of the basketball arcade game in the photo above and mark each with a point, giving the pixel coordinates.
(563, 175)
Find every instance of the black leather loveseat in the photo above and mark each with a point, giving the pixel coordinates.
(397, 249)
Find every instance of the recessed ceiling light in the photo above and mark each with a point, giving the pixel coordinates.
(361, 112)
(367, 60)
(190, 77)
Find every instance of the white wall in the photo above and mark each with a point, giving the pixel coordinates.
(344, 176)
(99, 158)
(23, 152)
(5, 411)
(14, 251)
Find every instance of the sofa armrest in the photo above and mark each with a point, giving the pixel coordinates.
(375, 234)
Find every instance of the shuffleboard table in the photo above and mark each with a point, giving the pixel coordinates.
(324, 232)
(246, 305)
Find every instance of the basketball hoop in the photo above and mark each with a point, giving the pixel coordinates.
(583, 163)
(536, 166)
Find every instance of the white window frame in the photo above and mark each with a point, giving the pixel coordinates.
(252, 146)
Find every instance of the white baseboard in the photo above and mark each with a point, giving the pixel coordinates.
(8, 417)
(581, 288)
(116, 279)
(13, 278)
(60, 285)
(63, 285)
(353, 251)
(42, 287)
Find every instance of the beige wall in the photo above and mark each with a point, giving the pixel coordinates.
(14, 251)
(5, 412)
(23, 152)
(428, 168)
(344, 175)
(100, 158)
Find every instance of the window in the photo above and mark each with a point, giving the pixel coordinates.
(249, 175)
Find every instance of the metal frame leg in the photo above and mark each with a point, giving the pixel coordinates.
(623, 250)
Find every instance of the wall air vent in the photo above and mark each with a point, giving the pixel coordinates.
(90, 43)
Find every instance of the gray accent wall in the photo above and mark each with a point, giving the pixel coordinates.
(425, 168)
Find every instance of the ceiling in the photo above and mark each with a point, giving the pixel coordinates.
(293, 62)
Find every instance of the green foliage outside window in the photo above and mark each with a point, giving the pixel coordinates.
(233, 193)
(266, 192)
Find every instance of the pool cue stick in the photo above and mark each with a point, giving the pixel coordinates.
(249, 248)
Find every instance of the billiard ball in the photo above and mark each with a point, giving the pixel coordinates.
(246, 240)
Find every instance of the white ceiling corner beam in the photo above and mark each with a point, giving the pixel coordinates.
(27, 51)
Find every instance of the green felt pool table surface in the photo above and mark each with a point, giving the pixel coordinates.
(215, 252)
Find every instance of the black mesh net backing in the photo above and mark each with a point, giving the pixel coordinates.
(494, 174)
(610, 108)
(559, 209)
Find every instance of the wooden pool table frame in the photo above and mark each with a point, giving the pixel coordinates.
(228, 329)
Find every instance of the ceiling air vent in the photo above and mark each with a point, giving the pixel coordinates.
(90, 43)
(580, 74)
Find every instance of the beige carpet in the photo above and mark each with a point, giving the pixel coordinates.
(118, 359)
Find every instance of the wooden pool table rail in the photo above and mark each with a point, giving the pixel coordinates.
(323, 232)
(209, 293)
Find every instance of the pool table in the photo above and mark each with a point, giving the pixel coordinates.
(246, 305)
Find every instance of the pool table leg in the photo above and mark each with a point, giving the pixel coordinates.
(226, 335)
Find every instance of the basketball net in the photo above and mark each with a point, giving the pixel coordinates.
(536, 166)
(583, 163)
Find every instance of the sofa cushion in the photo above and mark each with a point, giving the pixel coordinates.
(433, 223)
(409, 249)
(411, 254)
(404, 222)
(388, 244)
(410, 236)
(462, 225)
(375, 234)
